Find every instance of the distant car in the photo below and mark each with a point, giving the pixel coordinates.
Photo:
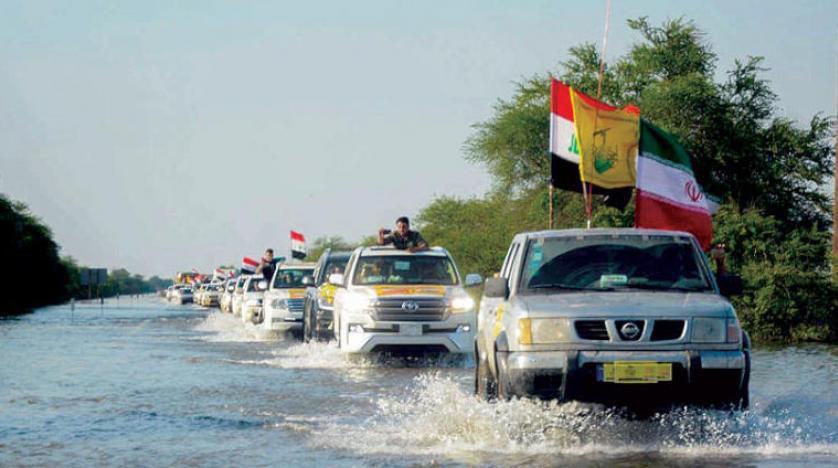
(211, 296)
(238, 295)
(392, 300)
(624, 316)
(182, 295)
(320, 296)
(283, 302)
(253, 293)
(226, 301)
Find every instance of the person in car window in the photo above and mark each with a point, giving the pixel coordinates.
(403, 238)
(266, 266)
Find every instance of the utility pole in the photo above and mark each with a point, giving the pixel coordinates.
(835, 212)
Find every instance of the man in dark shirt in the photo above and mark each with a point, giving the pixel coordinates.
(266, 266)
(402, 238)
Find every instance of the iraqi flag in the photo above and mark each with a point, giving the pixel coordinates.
(564, 148)
(249, 265)
(298, 245)
(668, 195)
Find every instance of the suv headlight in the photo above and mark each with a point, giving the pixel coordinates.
(715, 330)
(543, 330)
(325, 302)
(279, 303)
(254, 302)
(461, 304)
(358, 301)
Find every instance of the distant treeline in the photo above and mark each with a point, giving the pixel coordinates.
(33, 273)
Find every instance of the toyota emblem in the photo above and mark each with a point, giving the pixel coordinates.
(410, 306)
(630, 330)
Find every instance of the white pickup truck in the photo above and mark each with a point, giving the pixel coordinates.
(623, 316)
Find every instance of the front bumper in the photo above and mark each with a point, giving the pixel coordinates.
(453, 335)
(697, 375)
(282, 319)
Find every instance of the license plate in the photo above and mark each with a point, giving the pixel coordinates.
(631, 372)
(411, 329)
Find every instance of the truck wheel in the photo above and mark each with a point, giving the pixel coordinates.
(503, 390)
(484, 385)
(307, 325)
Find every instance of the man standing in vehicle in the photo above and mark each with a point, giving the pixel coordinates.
(403, 237)
(266, 266)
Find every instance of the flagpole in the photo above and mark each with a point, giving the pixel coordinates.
(589, 192)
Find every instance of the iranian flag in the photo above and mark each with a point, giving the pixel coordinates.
(249, 265)
(298, 245)
(668, 196)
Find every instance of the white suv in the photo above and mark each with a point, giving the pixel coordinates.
(393, 300)
(283, 304)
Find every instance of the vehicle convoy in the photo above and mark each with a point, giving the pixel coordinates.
(226, 301)
(394, 300)
(253, 293)
(283, 303)
(623, 316)
(238, 295)
(320, 296)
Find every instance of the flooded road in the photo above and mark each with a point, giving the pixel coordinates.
(142, 382)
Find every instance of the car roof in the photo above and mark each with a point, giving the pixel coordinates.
(387, 250)
(602, 232)
(297, 266)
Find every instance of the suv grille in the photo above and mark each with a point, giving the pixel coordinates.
(295, 305)
(401, 309)
(591, 330)
(664, 330)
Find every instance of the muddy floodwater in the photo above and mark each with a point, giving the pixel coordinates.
(140, 382)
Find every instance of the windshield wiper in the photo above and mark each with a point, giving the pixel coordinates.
(665, 288)
(569, 287)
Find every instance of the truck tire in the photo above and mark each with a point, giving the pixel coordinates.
(502, 381)
(307, 332)
(484, 385)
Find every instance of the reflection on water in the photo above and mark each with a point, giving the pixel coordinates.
(142, 382)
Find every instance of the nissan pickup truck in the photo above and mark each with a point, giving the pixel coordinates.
(620, 316)
(392, 300)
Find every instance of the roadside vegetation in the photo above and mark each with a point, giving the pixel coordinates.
(35, 275)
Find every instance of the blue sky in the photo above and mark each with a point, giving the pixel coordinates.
(161, 136)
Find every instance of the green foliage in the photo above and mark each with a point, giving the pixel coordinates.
(33, 274)
(320, 244)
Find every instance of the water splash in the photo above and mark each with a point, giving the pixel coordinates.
(439, 417)
(222, 327)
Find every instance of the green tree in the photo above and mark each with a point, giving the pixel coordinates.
(320, 244)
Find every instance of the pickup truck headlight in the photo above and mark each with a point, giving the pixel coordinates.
(543, 330)
(461, 304)
(709, 330)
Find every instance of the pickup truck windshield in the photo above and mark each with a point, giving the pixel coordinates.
(405, 270)
(288, 278)
(609, 263)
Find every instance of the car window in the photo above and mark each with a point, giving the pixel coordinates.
(611, 263)
(290, 278)
(404, 269)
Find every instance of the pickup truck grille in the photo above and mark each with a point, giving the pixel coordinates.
(295, 305)
(402, 309)
(591, 330)
(665, 330)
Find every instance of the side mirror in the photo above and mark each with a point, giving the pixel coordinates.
(473, 279)
(496, 288)
(336, 279)
(730, 285)
(262, 285)
(307, 281)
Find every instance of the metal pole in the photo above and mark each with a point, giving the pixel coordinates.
(551, 224)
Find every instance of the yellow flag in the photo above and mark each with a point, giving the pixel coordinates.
(608, 141)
